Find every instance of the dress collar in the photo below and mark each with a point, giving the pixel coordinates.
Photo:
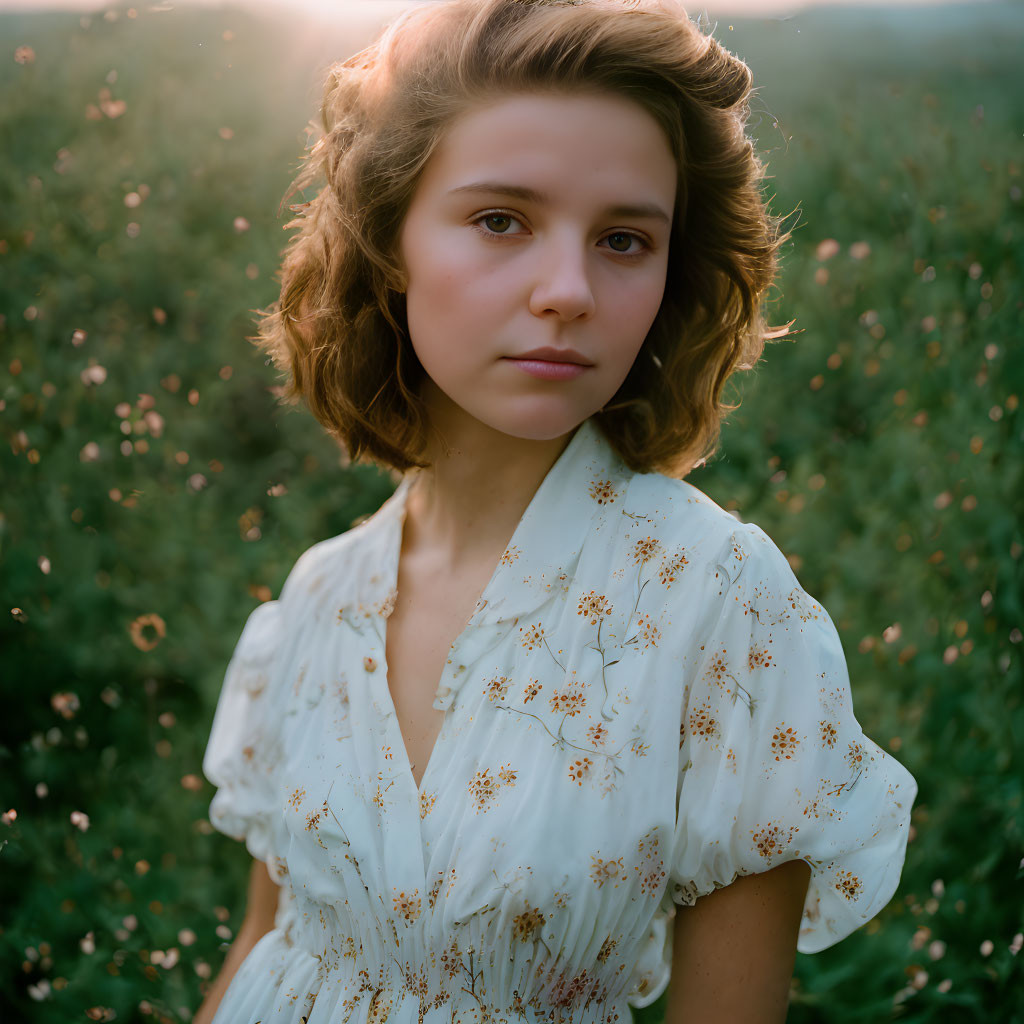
(585, 485)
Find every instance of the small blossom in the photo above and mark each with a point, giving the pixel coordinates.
(65, 704)
(142, 642)
(645, 549)
(593, 606)
(826, 249)
(602, 491)
(39, 991)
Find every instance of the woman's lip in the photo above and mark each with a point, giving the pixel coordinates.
(546, 369)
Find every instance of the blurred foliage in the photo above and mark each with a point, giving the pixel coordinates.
(151, 492)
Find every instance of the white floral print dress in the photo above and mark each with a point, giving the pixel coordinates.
(644, 705)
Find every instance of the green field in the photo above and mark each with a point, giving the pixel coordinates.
(152, 492)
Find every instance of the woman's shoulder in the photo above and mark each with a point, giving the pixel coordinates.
(672, 503)
(685, 516)
(713, 550)
(346, 561)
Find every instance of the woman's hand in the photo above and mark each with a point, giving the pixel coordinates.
(260, 910)
(733, 950)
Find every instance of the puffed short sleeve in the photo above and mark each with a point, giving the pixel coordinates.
(773, 765)
(243, 752)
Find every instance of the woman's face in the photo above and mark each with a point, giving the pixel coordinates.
(541, 221)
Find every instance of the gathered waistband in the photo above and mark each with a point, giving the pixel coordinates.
(392, 976)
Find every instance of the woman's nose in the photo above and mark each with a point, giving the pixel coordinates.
(562, 280)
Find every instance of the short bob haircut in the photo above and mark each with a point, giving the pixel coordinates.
(339, 329)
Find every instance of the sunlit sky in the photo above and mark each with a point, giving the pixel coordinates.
(363, 11)
(355, 23)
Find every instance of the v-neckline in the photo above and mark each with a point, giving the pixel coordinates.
(401, 497)
(516, 541)
(386, 667)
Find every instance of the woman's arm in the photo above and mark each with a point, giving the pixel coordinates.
(260, 908)
(733, 950)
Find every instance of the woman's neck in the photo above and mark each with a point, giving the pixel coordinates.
(467, 504)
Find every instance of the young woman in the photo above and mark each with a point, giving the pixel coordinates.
(552, 730)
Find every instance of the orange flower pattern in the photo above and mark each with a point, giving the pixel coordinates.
(636, 649)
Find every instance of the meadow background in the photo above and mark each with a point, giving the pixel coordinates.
(152, 492)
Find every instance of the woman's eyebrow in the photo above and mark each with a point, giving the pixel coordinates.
(529, 195)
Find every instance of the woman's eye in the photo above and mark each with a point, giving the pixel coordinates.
(503, 222)
(627, 238)
(499, 223)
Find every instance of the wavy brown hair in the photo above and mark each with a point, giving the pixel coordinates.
(339, 329)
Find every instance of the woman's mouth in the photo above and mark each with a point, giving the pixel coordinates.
(548, 369)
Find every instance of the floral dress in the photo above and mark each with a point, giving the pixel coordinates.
(643, 706)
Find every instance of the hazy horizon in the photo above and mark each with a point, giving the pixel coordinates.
(370, 9)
